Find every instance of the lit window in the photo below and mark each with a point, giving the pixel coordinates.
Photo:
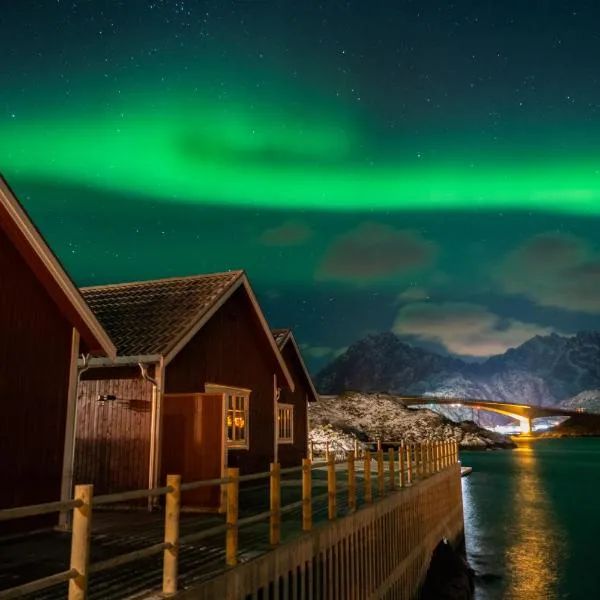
(285, 423)
(237, 421)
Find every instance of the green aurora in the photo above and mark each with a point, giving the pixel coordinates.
(234, 156)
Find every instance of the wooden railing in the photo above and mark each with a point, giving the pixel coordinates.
(408, 462)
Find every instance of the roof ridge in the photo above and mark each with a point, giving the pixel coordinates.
(237, 272)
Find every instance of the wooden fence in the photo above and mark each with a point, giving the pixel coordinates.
(404, 464)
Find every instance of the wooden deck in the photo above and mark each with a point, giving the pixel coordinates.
(118, 532)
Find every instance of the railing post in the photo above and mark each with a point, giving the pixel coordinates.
(367, 476)
(392, 468)
(306, 494)
(428, 456)
(456, 452)
(448, 453)
(231, 538)
(351, 481)
(311, 451)
(409, 471)
(401, 455)
(356, 449)
(275, 519)
(420, 461)
(380, 474)
(327, 450)
(378, 444)
(438, 456)
(331, 491)
(171, 553)
(80, 542)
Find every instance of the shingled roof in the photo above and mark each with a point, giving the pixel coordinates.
(154, 318)
(150, 317)
(282, 337)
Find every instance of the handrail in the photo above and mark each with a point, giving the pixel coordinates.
(408, 462)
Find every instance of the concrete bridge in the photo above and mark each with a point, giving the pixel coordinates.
(524, 413)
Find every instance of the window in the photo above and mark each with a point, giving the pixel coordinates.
(285, 423)
(237, 402)
(237, 421)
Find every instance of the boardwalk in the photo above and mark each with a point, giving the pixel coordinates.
(119, 532)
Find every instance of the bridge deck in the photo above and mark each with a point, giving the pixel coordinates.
(118, 532)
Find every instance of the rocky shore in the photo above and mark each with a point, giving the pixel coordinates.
(344, 419)
(449, 576)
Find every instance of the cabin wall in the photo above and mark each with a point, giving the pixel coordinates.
(35, 355)
(231, 349)
(112, 447)
(291, 455)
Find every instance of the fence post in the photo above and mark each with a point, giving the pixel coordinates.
(275, 519)
(311, 450)
(331, 491)
(378, 444)
(306, 494)
(448, 453)
(80, 542)
(380, 474)
(391, 459)
(419, 450)
(356, 450)
(231, 539)
(351, 481)
(367, 476)
(171, 553)
(401, 455)
(438, 456)
(327, 450)
(428, 458)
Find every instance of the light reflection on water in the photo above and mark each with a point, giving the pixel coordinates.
(515, 541)
(534, 544)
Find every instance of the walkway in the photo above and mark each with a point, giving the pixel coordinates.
(119, 532)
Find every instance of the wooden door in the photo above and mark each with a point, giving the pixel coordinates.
(193, 445)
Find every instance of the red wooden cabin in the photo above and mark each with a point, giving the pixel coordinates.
(292, 417)
(195, 390)
(44, 325)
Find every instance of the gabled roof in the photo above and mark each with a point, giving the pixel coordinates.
(159, 317)
(28, 241)
(284, 336)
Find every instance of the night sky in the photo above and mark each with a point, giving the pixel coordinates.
(431, 168)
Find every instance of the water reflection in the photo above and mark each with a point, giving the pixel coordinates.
(533, 546)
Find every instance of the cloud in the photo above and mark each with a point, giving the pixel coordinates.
(413, 294)
(289, 233)
(374, 251)
(554, 270)
(463, 328)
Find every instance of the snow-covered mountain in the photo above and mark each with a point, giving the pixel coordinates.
(367, 417)
(544, 370)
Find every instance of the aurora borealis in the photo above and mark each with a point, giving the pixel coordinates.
(428, 169)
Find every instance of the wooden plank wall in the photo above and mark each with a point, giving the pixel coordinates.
(232, 350)
(112, 448)
(35, 354)
(291, 455)
(380, 552)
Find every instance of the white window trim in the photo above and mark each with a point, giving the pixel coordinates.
(290, 407)
(215, 388)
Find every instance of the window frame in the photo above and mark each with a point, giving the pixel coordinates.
(283, 407)
(234, 393)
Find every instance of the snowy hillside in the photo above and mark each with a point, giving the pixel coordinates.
(588, 401)
(367, 417)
